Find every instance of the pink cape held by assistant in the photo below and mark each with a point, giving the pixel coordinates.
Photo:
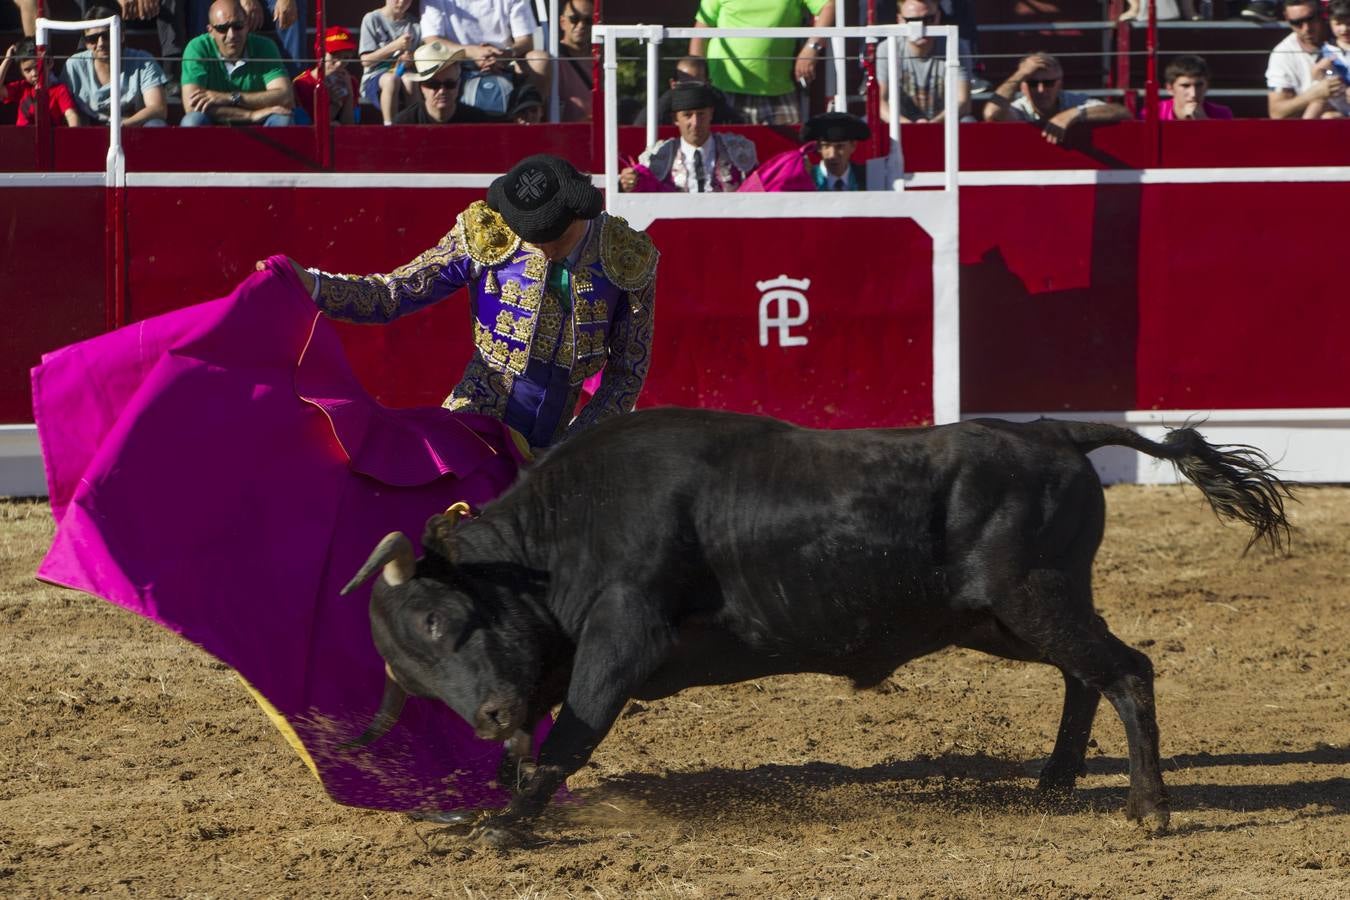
(221, 471)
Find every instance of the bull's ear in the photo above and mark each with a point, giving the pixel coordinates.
(437, 537)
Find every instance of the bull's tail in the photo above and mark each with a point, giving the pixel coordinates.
(1237, 480)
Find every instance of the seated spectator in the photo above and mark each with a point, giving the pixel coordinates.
(759, 75)
(1039, 82)
(388, 36)
(691, 68)
(339, 49)
(88, 74)
(284, 19)
(1294, 84)
(923, 71)
(168, 17)
(1187, 80)
(23, 91)
(574, 60)
(1335, 62)
(527, 107)
(497, 37)
(436, 73)
(698, 161)
(836, 135)
(231, 77)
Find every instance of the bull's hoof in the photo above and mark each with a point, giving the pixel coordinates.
(1057, 781)
(1153, 815)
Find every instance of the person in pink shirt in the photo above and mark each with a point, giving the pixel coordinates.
(1187, 79)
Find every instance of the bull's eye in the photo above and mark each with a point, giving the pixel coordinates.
(434, 624)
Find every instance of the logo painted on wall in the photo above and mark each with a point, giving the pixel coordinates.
(782, 305)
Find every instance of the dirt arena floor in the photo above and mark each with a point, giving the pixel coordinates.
(133, 764)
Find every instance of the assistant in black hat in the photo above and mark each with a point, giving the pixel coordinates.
(835, 127)
(836, 135)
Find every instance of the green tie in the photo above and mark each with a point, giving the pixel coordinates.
(560, 284)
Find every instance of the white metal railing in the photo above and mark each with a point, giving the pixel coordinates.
(890, 35)
(116, 162)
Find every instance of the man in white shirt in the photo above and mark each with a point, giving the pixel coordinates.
(1035, 93)
(1293, 85)
(496, 35)
(698, 161)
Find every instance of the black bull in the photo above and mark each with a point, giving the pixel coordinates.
(673, 548)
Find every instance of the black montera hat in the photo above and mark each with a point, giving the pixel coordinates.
(542, 195)
(835, 126)
(691, 95)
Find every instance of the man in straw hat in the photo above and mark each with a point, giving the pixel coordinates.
(558, 289)
(436, 80)
(698, 161)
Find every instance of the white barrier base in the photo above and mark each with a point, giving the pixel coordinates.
(1308, 445)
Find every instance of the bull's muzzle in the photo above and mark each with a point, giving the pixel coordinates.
(391, 704)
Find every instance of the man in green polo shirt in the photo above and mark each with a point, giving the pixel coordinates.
(231, 77)
(757, 74)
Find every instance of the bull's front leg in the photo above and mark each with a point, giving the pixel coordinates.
(623, 643)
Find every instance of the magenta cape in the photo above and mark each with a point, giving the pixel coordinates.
(220, 470)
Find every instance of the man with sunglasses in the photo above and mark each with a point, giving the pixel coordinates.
(923, 70)
(574, 60)
(231, 77)
(1035, 93)
(1294, 85)
(436, 78)
(88, 74)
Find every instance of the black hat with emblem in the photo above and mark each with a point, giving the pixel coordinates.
(833, 127)
(542, 195)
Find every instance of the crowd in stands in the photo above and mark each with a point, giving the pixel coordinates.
(475, 61)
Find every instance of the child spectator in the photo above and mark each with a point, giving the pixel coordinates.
(388, 37)
(1187, 79)
(1335, 60)
(88, 74)
(339, 49)
(23, 91)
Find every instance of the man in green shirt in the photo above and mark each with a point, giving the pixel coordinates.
(231, 77)
(757, 74)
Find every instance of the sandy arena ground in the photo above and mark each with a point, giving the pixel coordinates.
(134, 764)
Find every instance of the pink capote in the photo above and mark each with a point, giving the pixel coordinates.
(220, 471)
(786, 171)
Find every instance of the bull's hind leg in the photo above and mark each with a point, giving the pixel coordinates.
(1067, 760)
(1057, 619)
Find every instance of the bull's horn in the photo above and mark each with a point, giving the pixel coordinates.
(391, 704)
(395, 553)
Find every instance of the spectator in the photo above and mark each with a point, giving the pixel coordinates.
(698, 161)
(168, 17)
(497, 37)
(23, 91)
(691, 68)
(836, 135)
(339, 49)
(1187, 80)
(757, 74)
(27, 16)
(923, 71)
(1290, 77)
(88, 74)
(436, 72)
(388, 37)
(527, 107)
(1335, 61)
(1039, 82)
(283, 18)
(574, 60)
(231, 77)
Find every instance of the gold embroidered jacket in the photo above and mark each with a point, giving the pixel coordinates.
(531, 351)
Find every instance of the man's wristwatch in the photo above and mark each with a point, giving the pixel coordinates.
(236, 99)
(818, 46)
